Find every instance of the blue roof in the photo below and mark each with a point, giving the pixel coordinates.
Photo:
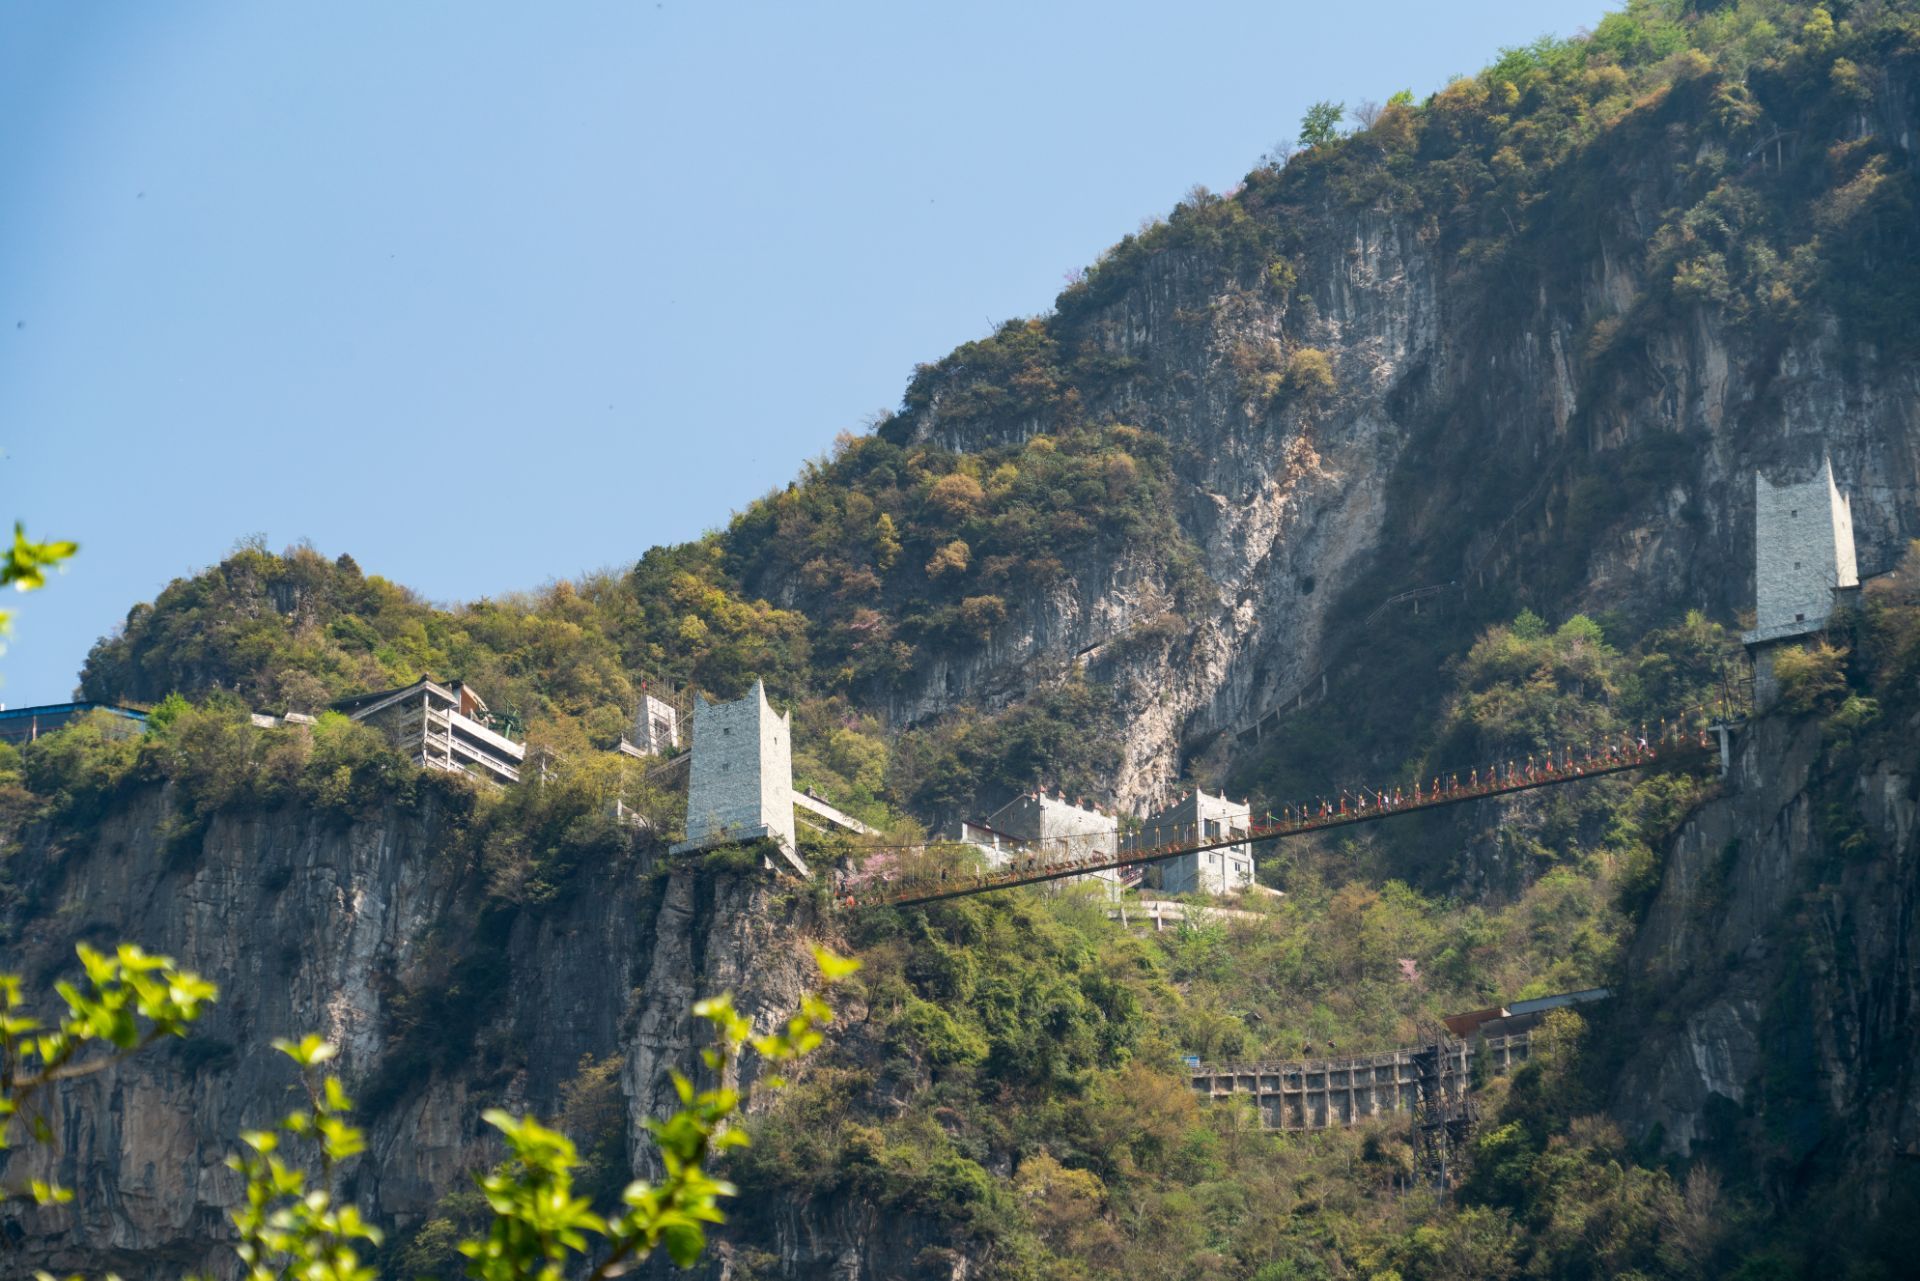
(1558, 1000)
(50, 709)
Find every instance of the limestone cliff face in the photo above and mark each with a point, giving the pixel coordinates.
(370, 932)
(1534, 422)
(1530, 430)
(1774, 981)
(1284, 500)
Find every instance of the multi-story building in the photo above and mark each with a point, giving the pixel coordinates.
(1053, 828)
(441, 727)
(1198, 819)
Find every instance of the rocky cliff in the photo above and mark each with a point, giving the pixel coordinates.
(1525, 344)
(1550, 415)
(1774, 978)
(374, 933)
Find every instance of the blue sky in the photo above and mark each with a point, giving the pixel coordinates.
(491, 293)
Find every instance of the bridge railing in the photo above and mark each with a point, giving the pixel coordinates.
(902, 883)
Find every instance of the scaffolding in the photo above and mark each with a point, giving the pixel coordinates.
(1444, 1113)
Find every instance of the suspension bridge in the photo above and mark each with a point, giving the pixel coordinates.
(908, 886)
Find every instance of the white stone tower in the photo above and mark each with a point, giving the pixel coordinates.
(740, 781)
(1803, 556)
(656, 726)
(1198, 818)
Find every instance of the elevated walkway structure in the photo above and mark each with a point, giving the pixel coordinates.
(1429, 1081)
(1158, 913)
(900, 886)
(25, 724)
(1326, 1094)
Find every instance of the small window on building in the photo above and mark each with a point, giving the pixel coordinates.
(1799, 618)
(1794, 512)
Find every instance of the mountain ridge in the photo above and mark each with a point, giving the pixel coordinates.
(1526, 342)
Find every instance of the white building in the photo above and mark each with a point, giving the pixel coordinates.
(1054, 829)
(441, 727)
(1803, 557)
(996, 849)
(740, 780)
(1197, 819)
(656, 729)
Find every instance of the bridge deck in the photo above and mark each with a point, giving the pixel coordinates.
(1036, 868)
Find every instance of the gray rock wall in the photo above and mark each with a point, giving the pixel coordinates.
(351, 929)
(1773, 981)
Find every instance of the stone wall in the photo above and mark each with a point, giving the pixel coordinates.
(740, 784)
(1803, 550)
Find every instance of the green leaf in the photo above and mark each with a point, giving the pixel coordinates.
(45, 1193)
(309, 1051)
(26, 563)
(834, 967)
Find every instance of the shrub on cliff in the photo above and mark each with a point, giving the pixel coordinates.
(1810, 675)
(1310, 372)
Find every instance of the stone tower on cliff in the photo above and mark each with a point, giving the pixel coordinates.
(1803, 560)
(740, 781)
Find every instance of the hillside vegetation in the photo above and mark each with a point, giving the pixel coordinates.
(1012, 1071)
(1005, 476)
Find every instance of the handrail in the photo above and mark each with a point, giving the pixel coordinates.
(1615, 760)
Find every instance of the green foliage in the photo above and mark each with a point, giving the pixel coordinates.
(1577, 1203)
(1017, 1075)
(128, 1001)
(977, 762)
(1321, 124)
(1310, 372)
(293, 1224)
(219, 761)
(1033, 1033)
(294, 631)
(962, 535)
(26, 564)
(1810, 675)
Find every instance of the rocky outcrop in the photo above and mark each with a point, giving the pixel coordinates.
(373, 932)
(1531, 429)
(1774, 980)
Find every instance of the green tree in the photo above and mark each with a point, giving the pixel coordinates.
(1321, 124)
(127, 1001)
(1810, 675)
